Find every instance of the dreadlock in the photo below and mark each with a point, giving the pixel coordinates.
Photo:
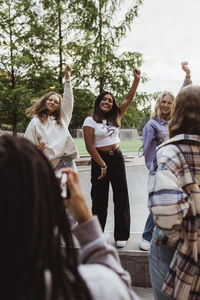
(32, 222)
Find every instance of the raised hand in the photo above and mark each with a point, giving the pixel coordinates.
(137, 73)
(185, 68)
(68, 70)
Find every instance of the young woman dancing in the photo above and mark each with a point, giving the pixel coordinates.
(154, 133)
(48, 128)
(101, 134)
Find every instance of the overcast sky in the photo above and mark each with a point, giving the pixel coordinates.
(166, 33)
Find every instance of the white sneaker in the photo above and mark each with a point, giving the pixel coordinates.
(121, 244)
(145, 245)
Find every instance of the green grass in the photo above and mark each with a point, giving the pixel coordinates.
(125, 146)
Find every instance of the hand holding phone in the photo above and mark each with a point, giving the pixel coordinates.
(62, 177)
(76, 204)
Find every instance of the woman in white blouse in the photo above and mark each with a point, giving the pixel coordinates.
(101, 134)
(49, 126)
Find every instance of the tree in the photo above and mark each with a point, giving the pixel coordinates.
(96, 61)
(83, 105)
(21, 58)
(98, 65)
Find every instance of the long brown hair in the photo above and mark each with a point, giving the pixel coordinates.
(112, 116)
(186, 112)
(156, 115)
(39, 109)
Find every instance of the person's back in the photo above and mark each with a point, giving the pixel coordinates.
(174, 200)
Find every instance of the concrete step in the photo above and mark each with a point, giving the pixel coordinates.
(144, 293)
(134, 260)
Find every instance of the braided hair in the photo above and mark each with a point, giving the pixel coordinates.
(32, 223)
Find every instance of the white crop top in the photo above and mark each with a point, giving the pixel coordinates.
(104, 135)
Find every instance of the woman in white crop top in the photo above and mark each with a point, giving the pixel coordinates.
(48, 128)
(101, 134)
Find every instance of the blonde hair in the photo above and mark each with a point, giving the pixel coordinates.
(157, 114)
(39, 109)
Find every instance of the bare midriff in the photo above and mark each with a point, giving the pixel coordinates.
(108, 148)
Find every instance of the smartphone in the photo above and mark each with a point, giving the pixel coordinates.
(62, 177)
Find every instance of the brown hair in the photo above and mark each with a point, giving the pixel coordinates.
(112, 116)
(186, 112)
(156, 114)
(39, 109)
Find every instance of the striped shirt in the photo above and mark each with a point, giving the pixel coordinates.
(174, 200)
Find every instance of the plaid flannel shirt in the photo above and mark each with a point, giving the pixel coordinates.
(174, 200)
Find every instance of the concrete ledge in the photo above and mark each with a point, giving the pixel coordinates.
(138, 267)
(134, 260)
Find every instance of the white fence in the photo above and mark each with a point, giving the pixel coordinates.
(124, 133)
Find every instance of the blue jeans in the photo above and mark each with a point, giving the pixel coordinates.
(66, 162)
(159, 260)
(148, 229)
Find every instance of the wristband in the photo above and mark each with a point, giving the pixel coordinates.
(104, 167)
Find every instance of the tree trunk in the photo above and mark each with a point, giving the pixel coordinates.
(100, 49)
(14, 118)
(14, 124)
(60, 46)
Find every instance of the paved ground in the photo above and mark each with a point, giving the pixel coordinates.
(137, 177)
(144, 293)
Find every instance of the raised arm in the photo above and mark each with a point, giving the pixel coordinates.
(131, 93)
(89, 143)
(186, 69)
(68, 98)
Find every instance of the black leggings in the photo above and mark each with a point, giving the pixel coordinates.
(116, 174)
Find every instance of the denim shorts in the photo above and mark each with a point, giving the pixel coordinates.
(66, 162)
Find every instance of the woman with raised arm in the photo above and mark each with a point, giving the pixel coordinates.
(154, 133)
(48, 128)
(101, 134)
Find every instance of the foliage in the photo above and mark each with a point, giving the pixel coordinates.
(84, 100)
(38, 37)
(96, 63)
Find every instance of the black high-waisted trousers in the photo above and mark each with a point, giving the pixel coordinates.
(116, 175)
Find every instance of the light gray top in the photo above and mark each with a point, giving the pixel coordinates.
(100, 266)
